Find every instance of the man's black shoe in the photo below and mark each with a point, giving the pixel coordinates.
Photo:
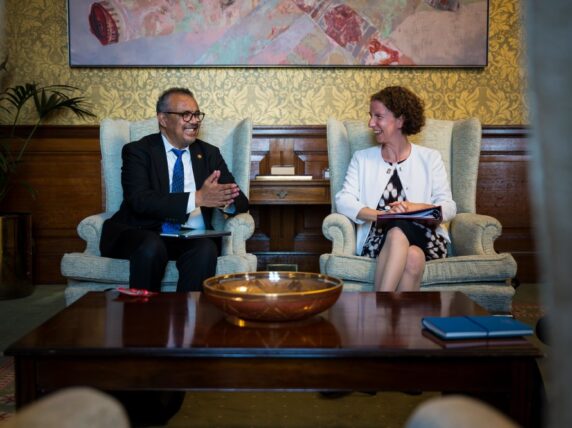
(150, 408)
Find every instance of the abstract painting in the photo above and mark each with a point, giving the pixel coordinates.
(319, 33)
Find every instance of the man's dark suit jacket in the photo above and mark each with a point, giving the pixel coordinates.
(147, 202)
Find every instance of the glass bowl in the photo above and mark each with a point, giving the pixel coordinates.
(272, 296)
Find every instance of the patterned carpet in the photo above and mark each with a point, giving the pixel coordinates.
(6, 387)
(528, 313)
(390, 408)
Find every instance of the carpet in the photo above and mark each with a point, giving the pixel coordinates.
(6, 387)
(281, 409)
(528, 313)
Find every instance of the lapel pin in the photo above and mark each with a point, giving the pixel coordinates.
(199, 156)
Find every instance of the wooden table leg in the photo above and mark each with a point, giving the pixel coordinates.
(527, 397)
(26, 389)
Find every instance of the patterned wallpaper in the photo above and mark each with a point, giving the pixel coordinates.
(36, 39)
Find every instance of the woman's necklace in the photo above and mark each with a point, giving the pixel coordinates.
(400, 159)
(391, 168)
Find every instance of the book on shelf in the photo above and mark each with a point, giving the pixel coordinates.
(283, 177)
(196, 233)
(428, 216)
(484, 326)
(282, 170)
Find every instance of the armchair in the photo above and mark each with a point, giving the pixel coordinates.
(88, 271)
(473, 265)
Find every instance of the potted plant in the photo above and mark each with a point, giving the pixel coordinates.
(41, 102)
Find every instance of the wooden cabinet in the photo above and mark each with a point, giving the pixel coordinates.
(310, 192)
(288, 215)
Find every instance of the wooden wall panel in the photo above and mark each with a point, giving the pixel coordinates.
(63, 166)
(301, 146)
(504, 194)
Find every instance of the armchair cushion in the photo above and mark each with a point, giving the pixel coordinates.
(453, 270)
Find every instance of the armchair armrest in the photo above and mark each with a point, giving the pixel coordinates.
(89, 229)
(474, 234)
(341, 231)
(71, 407)
(456, 410)
(241, 227)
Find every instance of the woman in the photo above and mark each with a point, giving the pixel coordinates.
(398, 178)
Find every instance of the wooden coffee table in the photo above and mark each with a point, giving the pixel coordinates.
(366, 342)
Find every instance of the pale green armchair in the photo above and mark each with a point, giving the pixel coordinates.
(88, 271)
(75, 407)
(474, 266)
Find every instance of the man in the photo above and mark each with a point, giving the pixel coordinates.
(171, 179)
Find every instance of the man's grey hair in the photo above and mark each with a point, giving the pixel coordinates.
(162, 102)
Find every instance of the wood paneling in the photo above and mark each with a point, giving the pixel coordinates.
(63, 166)
(503, 193)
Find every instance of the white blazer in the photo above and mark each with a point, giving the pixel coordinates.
(422, 174)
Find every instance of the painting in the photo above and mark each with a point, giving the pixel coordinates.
(284, 33)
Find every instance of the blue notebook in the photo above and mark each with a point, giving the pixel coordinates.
(476, 326)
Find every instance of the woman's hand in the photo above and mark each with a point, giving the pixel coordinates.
(406, 206)
(369, 214)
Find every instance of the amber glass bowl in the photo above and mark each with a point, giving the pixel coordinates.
(272, 296)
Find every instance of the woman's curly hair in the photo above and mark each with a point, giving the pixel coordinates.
(402, 102)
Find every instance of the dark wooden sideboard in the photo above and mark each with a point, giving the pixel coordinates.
(63, 166)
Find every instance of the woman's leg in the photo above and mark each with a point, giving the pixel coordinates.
(391, 261)
(413, 272)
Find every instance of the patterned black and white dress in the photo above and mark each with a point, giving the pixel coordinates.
(433, 245)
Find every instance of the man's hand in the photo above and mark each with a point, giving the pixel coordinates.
(215, 195)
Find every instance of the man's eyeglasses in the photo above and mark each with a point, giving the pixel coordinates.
(187, 115)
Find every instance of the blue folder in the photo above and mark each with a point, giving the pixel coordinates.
(476, 326)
